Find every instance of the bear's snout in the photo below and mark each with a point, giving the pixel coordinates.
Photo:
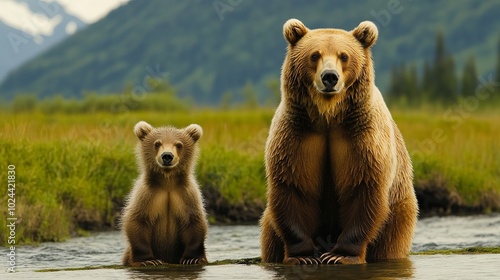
(330, 79)
(167, 155)
(167, 158)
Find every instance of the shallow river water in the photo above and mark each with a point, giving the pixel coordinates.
(236, 242)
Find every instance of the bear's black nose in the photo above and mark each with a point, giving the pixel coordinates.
(329, 79)
(167, 158)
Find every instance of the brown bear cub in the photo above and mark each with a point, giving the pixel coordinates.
(338, 173)
(164, 219)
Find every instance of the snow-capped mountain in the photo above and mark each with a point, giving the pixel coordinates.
(28, 27)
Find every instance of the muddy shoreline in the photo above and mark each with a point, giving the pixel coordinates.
(432, 201)
(436, 200)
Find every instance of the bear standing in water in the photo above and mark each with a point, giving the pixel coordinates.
(339, 176)
(164, 219)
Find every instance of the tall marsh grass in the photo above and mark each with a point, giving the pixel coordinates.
(74, 169)
(460, 154)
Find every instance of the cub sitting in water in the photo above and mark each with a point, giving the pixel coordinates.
(164, 219)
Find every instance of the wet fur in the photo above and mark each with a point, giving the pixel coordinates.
(339, 175)
(164, 219)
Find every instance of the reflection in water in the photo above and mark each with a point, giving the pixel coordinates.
(398, 269)
(394, 269)
(237, 242)
(170, 272)
(231, 271)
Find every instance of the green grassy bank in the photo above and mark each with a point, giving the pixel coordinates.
(72, 170)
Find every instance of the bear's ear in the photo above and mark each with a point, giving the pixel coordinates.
(194, 131)
(142, 129)
(294, 30)
(366, 33)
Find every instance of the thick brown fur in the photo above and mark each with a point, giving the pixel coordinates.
(339, 176)
(164, 219)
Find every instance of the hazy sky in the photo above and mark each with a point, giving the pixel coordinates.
(89, 10)
(19, 16)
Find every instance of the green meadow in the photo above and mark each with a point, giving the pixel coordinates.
(75, 162)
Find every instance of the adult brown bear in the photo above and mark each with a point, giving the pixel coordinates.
(339, 176)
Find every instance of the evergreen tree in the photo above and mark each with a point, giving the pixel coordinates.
(498, 62)
(226, 100)
(250, 100)
(412, 89)
(404, 84)
(395, 87)
(443, 85)
(427, 82)
(273, 85)
(469, 77)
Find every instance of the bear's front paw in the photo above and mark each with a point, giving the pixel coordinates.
(301, 260)
(332, 258)
(194, 261)
(146, 263)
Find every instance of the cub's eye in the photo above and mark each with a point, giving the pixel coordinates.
(344, 57)
(315, 56)
(178, 145)
(157, 144)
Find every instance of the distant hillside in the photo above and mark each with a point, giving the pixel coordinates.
(43, 25)
(206, 48)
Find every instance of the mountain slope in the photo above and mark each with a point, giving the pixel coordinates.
(38, 26)
(206, 48)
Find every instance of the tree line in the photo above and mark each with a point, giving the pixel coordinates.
(438, 81)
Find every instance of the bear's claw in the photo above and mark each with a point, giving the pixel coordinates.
(194, 261)
(151, 263)
(330, 258)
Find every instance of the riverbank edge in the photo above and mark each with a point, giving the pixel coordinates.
(257, 260)
(432, 201)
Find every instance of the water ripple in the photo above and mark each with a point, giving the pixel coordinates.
(234, 242)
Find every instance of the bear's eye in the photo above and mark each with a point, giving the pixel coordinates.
(178, 145)
(315, 56)
(157, 144)
(344, 57)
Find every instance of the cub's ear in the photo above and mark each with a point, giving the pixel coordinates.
(142, 129)
(194, 131)
(294, 30)
(366, 33)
